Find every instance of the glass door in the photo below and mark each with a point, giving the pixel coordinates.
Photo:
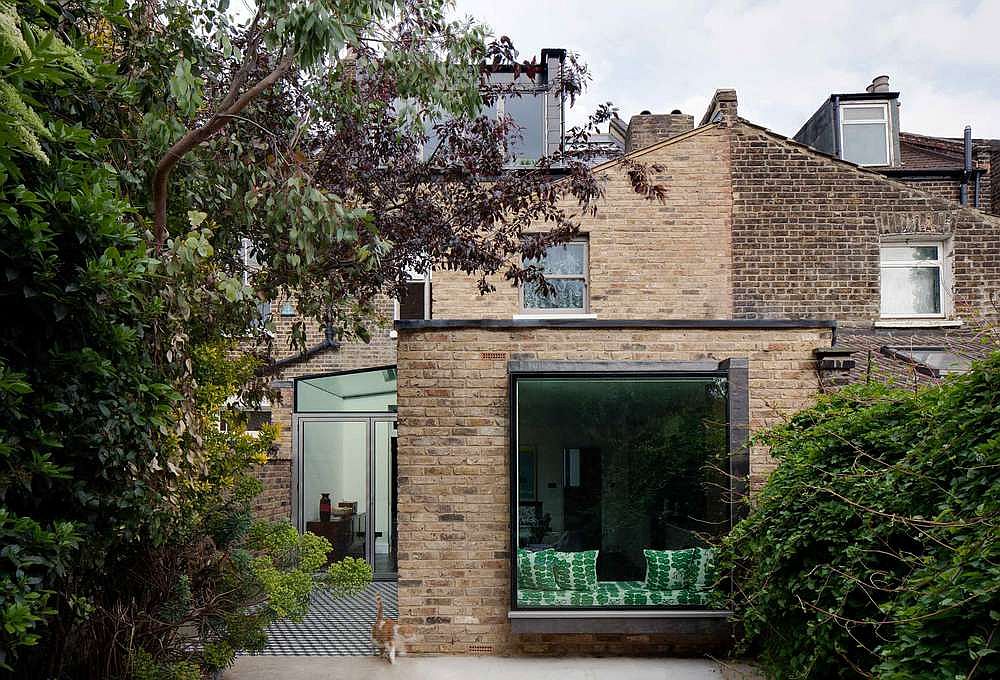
(346, 486)
(384, 500)
(334, 469)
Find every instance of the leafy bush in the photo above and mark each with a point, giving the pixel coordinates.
(873, 548)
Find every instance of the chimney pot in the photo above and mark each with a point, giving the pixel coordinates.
(879, 84)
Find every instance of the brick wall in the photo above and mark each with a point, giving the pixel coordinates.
(647, 260)
(946, 188)
(993, 186)
(454, 468)
(275, 501)
(647, 129)
(807, 228)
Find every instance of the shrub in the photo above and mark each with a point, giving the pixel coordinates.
(873, 548)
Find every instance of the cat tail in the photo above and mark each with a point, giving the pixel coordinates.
(378, 608)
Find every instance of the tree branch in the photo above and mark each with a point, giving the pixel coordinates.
(196, 137)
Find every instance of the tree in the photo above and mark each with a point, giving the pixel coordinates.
(143, 144)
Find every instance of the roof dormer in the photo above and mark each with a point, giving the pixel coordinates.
(861, 127)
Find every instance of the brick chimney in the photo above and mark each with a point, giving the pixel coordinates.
(722, 108)
(649, 128)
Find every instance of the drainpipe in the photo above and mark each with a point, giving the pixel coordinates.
(836, 126)
(967, 170)
(329, 342)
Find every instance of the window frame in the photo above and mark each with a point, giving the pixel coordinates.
(939, 263)
(886, 122)
(582, 619)
(562, 311)
(418, 277)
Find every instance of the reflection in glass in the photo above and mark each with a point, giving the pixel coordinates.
(911, 291)
(622, 466)
(865, 143)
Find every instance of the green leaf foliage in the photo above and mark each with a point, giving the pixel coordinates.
(872, 550)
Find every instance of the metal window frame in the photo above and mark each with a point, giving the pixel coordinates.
(370, 419)
(584, 242)
(590, 619)
(886, 122)
(938, 263)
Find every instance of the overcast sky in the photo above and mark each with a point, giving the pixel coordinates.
(783, 57)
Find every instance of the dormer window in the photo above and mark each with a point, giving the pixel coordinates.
(865, 133)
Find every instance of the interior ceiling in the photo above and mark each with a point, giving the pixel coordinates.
(355, 385)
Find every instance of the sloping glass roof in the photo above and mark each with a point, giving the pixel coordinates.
(933, 361)
(372, 390)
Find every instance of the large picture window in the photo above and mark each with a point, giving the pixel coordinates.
(623, 486)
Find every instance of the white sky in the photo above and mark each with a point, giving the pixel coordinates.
(783, 57)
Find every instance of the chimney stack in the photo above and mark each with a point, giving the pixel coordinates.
(648, 128)
(879, 84)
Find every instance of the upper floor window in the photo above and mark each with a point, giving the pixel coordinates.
(913, 279)
(566, 269)
(250, 267)
(865, 133)
(416, 302)
(527, 108)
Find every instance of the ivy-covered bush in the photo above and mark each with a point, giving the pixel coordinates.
(874, 548)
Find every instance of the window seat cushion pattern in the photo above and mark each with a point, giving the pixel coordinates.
(612, 594)
(691, 568)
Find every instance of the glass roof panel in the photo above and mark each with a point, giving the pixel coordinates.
(373, 390)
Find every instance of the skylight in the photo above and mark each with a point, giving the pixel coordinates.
(933, 361)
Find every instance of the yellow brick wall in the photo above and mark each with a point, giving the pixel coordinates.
(648, 260)
(454, 467)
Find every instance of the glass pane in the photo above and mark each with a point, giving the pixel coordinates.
(620, 466)
(385, 498)
(910, 291)
(568, 294)
(909, 253)
(351, 392)
(865, 144)
(568, 258)
(528, 111)
(335, 471)
(863, 112)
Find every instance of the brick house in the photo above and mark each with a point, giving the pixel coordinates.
(613, 416)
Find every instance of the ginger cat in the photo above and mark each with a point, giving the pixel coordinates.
(389, 637)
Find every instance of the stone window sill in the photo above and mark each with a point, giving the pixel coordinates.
(523, 317)
(702, 622)
(918, 323)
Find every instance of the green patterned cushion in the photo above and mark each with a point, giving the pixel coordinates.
(613, 594)
(691, 568)
(576, 570)
(535, 569)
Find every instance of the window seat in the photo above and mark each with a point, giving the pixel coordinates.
(612, 594)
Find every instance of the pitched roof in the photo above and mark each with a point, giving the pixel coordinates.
(881, 354)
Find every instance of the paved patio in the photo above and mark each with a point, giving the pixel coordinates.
(333, 627)
(482, 668)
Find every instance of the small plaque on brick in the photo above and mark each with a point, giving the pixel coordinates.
(493, 356)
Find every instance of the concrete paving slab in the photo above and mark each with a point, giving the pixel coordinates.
(482, 668)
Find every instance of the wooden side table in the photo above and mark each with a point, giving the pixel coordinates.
(338, 531)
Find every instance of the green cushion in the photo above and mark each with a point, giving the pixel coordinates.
(612, 594)
(535, 569)
(576, 570)
(688, 569)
